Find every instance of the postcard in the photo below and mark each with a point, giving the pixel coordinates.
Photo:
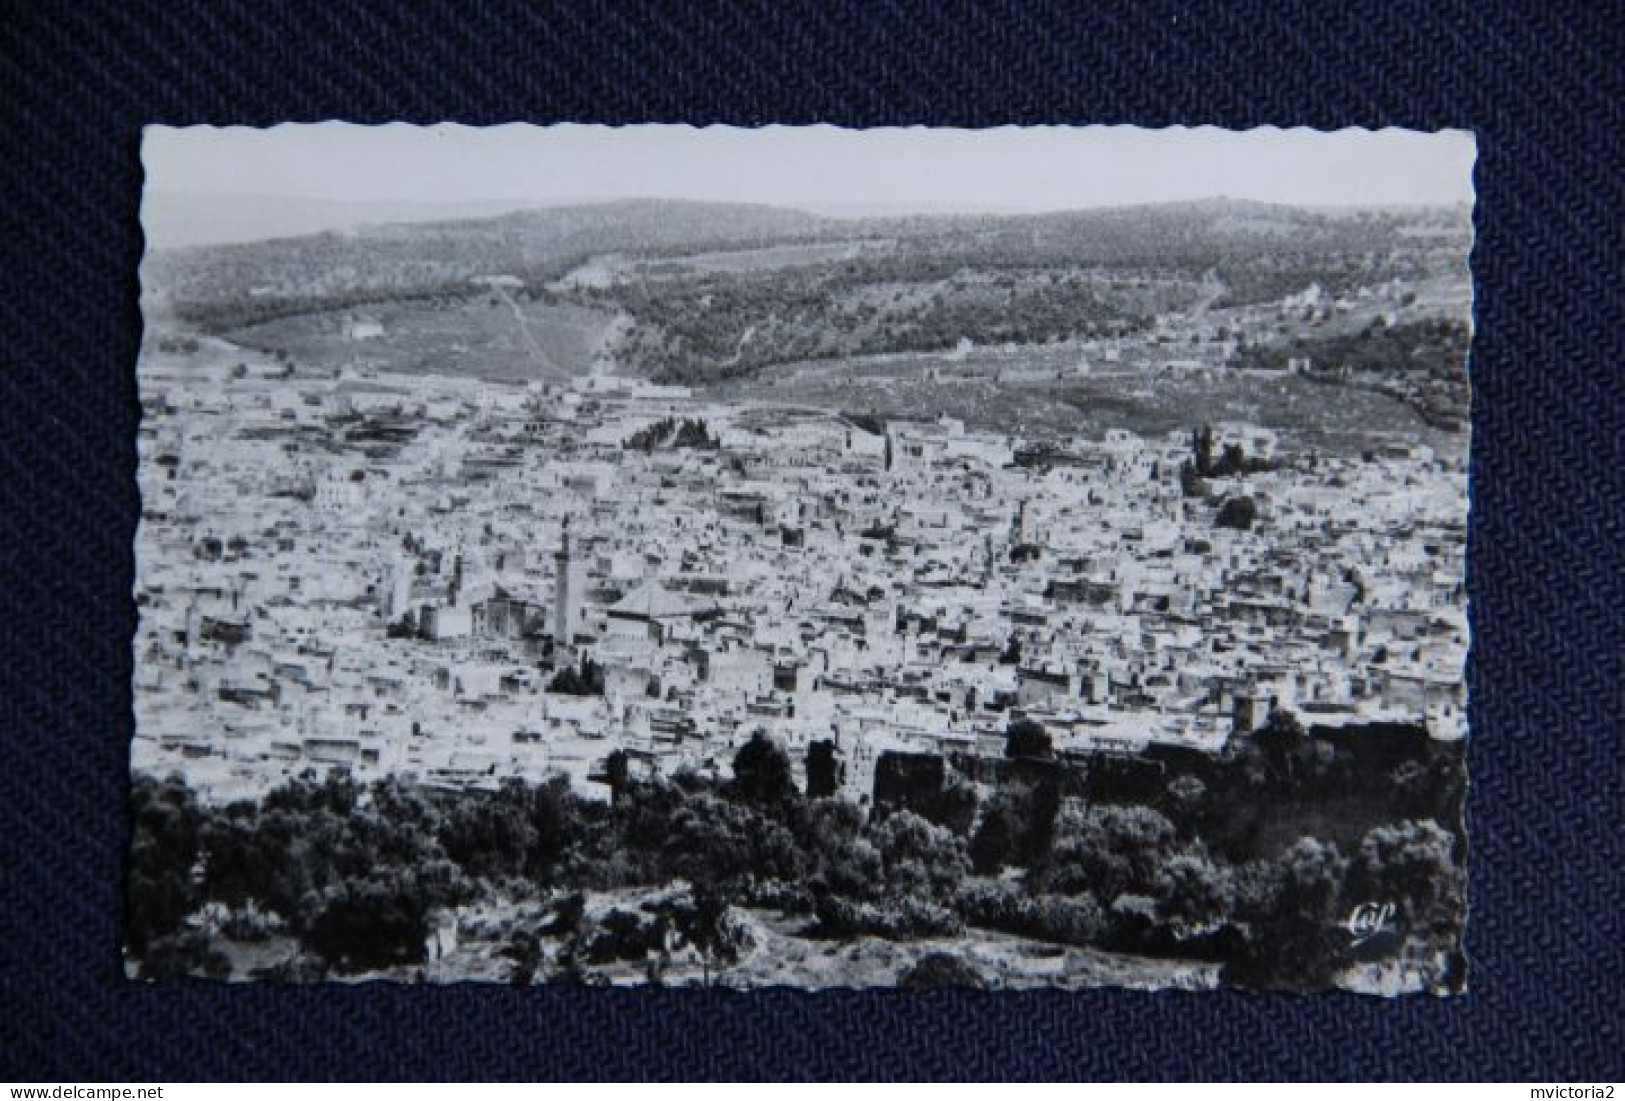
(1027, 557)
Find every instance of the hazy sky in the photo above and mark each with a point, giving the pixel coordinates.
(821, 167)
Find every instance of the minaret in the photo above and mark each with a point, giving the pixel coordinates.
(400, 587)
(563, 599)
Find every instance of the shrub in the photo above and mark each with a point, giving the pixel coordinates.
(585, 681)
(1238, 513)
(906, 918)
(1074, 920)
(567, 915)
(188, 954)
(248, 923)
(938, 971)
(622, 935)
(777, 894)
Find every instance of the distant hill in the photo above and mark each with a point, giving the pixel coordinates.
(174, 220)
(207, 283)
(699, 292)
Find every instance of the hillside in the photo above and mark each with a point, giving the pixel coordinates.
(223, 287)
(1017, 319)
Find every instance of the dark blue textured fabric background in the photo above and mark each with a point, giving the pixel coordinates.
(1540, 83)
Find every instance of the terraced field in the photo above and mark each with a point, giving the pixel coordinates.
(490, 337)
(1048, 393)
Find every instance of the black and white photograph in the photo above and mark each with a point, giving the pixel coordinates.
(803, 557)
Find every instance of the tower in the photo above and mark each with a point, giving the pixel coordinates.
(400, 587)
(564, 595)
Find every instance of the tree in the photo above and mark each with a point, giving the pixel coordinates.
(567, 915)
(618, 774)
(1194, 893)
(1110, 850)
(378, 919)
(163, 850)
(239, 857)
(491, 836)
(1191, 483)
(955, 805)
(1034, 844)
(713, 841)
(1282, 729)
(845, 862)
(1202, 450)
(710, 926)
(588, 680)
(1238, 513)
(1293, 911)
(321, 856)
(919, 856)
(1432, 789)
(1412, 865)
(1285, 744)
(1017, 827)
(525, 950)
(1187, 799)
(555, 825)
(1027, 739)
(994, 843)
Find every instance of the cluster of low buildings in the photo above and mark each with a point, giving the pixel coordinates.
(466, 581)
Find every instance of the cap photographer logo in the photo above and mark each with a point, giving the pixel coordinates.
(1370, 919)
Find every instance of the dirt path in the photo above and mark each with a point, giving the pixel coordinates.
(539, 357)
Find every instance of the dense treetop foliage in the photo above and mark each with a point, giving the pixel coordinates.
(357, 873)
